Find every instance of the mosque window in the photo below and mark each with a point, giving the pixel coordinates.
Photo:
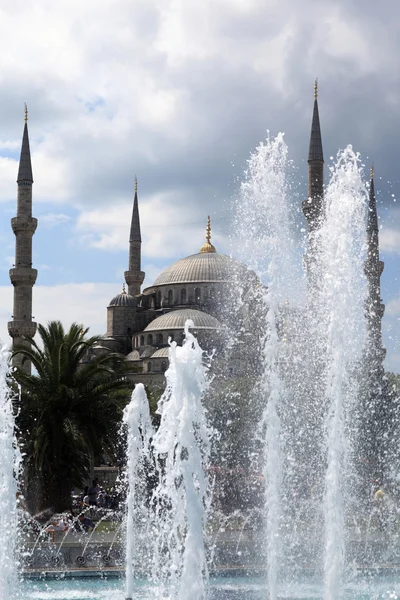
(150, 340)
(164, 366)
(170, 297)
(171, 336)
(197, 294)
(183, 296)
(160, 339)
(148, 367)
(142, 340)
(158, 299)
(129, 332)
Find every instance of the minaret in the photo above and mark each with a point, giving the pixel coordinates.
(373, 270)
(312, 207)
(376, 412)
(22, 275)
(134, 276)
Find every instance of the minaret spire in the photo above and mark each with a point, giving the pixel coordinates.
(22, 275)
(312, 207)
(373, 270)
(375, 408)
(134, 276)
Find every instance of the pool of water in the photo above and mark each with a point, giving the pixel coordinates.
(220, 589)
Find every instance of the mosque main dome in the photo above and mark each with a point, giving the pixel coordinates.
(204, 267)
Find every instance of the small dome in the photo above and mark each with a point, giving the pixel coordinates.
(176, 319)
(123, 299)
(134, 355)
(161, 353)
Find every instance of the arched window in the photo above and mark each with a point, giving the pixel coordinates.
(164, 366)
(129, 332)
(160, 339)
(150, 340)
(183, 296)
(171, 336)
(170, 297)
(148, 367)
(197, 294)
(158, 299)
(142, 340)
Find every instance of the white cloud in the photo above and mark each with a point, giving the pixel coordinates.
(53, 219)
(169, 226)
(84, 303)
(389, 240)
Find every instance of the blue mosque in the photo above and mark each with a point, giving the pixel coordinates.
(141, 321)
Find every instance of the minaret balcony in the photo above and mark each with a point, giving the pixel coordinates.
(21, 328)
(132, 277)
(24, 225)
(23, 276)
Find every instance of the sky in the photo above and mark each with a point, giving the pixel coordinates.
(179, 92)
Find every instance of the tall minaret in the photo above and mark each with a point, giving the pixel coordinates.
(22, 275)
(312, 207)
(134, 276)
(376, 411)
(373, 270)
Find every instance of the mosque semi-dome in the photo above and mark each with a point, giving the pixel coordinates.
(176, 319)
(134, 355)
(161, 353)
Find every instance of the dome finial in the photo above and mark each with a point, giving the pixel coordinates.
(123, 288)
(316, 89)
(208, 247)
(26, 113)
(371, 171)
(135, 184)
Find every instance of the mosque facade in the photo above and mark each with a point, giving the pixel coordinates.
(140, 322)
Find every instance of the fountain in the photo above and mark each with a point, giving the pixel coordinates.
(304, 383)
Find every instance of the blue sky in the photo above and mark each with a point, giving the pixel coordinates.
(179, 93)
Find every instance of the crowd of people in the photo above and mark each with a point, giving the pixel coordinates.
(86, 508)
(96, 495)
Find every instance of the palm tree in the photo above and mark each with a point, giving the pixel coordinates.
(69, 410)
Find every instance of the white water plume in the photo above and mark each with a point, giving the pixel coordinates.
(182, 445)
(140, 431)
(9, 470)
(263, 225)
(341, 241)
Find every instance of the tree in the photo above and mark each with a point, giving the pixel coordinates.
(69, 409)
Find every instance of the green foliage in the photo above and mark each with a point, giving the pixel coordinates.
(69, 410)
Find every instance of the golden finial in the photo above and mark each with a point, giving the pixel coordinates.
(371, 171)
(26, 113)
(316, 89)
(208, 247)
(123, 289)
(135, 184)
(208, 229)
